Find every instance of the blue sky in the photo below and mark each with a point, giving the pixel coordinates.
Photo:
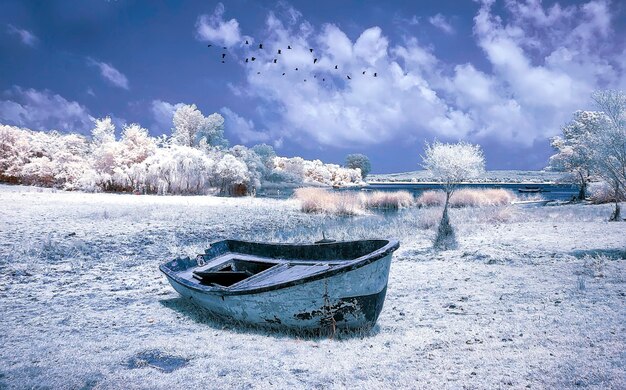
(502, 74)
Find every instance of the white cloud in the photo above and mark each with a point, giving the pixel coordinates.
(111, 74)
(163, 114)
(213, 28)
(330, 109)
(441, 23)
(43, 110)
(539, 73)
(243, 128)
(27, 37)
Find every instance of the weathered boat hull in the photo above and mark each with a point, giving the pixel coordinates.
(345, 299)
(335, 301)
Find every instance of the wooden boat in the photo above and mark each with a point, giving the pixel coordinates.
(530, 190)
(341, 285)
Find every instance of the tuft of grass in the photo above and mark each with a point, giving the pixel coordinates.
(429, 218)
(467, 197)
(389, 200)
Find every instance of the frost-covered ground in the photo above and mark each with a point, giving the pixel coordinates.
(532, 298)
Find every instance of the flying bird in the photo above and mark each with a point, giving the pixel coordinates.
(349, 78)
(288, 47)
(323, 79)
(223, 62)
(246, 60)
(336, 67)
(363, 72)
(209, 45)
(314, 60)
(296, 68)
(223, 55)
(279, 52)
(275, 60)
(283, 73)
(375, 74)
(311, 50)
(253, 58)
(258, 72)
(305, 80)
(260, 46)
(247, 42)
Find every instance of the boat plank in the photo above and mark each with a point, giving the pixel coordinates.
(285, 273)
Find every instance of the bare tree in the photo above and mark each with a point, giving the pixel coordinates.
(608, 145)
(451, 164)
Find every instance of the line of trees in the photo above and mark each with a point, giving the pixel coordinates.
(195, 159)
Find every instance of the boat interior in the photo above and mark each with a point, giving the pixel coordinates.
(242, 265)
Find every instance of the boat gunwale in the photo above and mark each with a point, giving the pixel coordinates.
(391, 246)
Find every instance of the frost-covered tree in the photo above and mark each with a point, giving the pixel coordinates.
(256, 168)
(176, 170)
(48, 159)
(574, 154)
(70, 161)
(451, 164)
(360, 161)
(212, 132)
(103, 132)
(608, 144)
(188, 120)
(15, 152)
(231, 172)
(134, 147)
(137, 145)
(266, 153)
(191, 128)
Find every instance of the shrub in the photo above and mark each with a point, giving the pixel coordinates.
(602, 192)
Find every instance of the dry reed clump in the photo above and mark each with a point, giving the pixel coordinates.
(431, 198)
(467, 197)
(389, 200)
(318, 200)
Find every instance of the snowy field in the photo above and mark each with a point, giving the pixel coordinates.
(533, 298)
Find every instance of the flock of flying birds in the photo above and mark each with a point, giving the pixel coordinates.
(275, 61)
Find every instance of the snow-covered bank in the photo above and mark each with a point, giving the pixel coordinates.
(532, 297)
(490, 177)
